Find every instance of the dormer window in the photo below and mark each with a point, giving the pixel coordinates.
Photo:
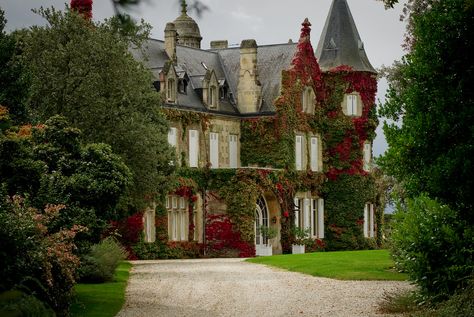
(308, 99)
(182, 85)
(212, 97)
(352, 105)
(223, 93)
(156, 84)
(171, 90)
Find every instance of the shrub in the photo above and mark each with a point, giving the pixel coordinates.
(100, 264)
(434, 246)
(15, 303)
(32, 257)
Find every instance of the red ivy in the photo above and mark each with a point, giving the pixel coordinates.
(83, 7)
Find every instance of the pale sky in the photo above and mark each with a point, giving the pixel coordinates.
(266, 21)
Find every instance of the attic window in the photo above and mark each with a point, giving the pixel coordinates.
(182, 85)
(171, 90)
(156, 84)
(223, 92)
(212, 97)
(308, 99)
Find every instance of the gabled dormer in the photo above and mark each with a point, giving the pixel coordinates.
(210, 90)
(170, 80)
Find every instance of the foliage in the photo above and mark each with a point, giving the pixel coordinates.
(102, 300)
(16, 303)
(100, 263)
(267, 232)
(169, 250)
(33, 258)
(343, 265)
(430, 92)
(345, 200)
(13, 77)
(301, 235)
(434, 246)
(84, 71)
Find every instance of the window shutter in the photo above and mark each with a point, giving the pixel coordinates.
(297, 209)
(371, 223)
(314, 218)
(366, 221)
(233, 151)
(214, 149)
(306, 213)
(298, 152)
(314, 154)
(193, 148)
(175, 226)
(321, 218)
(367, 156)
(172, 133)
(349, 105)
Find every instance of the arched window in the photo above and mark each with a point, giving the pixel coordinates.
(308, 99)
(261, 220)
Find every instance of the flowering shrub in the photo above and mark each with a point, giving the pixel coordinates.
(34, 258)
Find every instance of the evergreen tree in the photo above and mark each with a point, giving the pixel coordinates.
(84, 71)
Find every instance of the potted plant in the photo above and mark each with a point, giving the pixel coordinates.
(267, 234)
(300, 236)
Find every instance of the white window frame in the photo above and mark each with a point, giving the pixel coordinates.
(369, 221)
(193, 148)
(233, 150)
(299, 152)
(367, 156)
(214, 149)
(172, 136)
(317, 218)
(174, 202)
(352, 104)
(314, 153)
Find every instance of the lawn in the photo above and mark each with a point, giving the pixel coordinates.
(342, 265)
(102, 300)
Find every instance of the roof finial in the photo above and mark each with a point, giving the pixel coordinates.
(305, 31)
(183, 7)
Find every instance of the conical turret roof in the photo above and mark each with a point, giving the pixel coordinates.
(340, 43)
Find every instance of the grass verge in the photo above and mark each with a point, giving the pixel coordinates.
(342, 265)
(102, 300)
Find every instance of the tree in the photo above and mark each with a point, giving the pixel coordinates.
(13, 83)
(431, 93)
(84, 71)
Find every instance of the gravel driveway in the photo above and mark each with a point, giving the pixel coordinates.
(231, 287)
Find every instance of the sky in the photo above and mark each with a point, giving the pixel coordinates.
(266, 21)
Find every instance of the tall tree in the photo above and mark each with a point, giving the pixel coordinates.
(84, 71)
(431, 95)
(13, 85)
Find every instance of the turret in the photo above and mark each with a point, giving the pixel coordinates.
(249, 88)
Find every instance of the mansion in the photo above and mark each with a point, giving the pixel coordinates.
(267, 139)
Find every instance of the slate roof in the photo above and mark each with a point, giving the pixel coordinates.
(271, 60)
(340, 43)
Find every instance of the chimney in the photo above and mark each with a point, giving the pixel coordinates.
(249, 89)
(219, 44)
(171, 38)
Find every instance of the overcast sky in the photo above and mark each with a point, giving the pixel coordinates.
(266, 21)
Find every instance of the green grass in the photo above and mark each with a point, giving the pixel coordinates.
(104, 299)
(342, 265)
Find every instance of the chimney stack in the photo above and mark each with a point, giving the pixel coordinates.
(219, 44)
(249, 88)
(171, 38)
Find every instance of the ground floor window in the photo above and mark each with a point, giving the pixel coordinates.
(309, 215)
(178, 218)
(369, 221)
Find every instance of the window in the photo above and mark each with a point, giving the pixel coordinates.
(352, 105)
(300, 212)
(172, 136)
(308, 100)
(369, 221)
(212, 97)
(193, 148)
(317, 218)
(367, 156)
(149, 222)
(182, 85)
(314, 151)
(171, 91)
(299, 152)
(233, 151)
(214, 149)
(177, 218)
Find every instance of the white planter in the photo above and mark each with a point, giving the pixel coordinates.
(297, 249)
(263, 250)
